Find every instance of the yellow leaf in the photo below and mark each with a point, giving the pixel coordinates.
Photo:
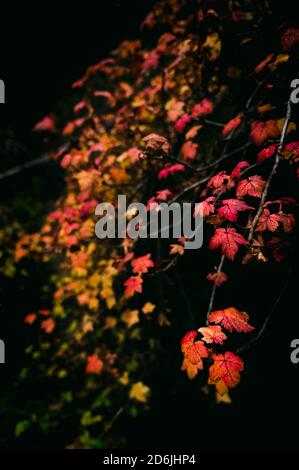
(139, 392)
(148, 308)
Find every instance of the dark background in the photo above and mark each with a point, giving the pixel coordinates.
(42, 52)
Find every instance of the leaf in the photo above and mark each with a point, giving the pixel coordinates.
(48, 325)
(191, 369)
(268, 221)
(231, 207)
(94, 364)
(130, 317)
(139, 391)
(142, 264)
(262, 130)
(228, 239)
(189, 150)
(30, 318)
(193, 351)
(170, 170)
(182, 122)
(205, 106)
(148, 308)
(226, 368)
(212, 334)
(218, 278)
(231, 319)
(236, 173)
(266, 153)
(232, 124)
(288, 221)
(132, 285)
(157, 143)
(205, 207)
(251, 186)
(217, 180)
(22, 426)
(176, 249)
(47, 124)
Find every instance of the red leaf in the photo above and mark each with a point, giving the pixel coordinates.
(290, 38)
(94, 364)
(142, 264)
(251, 186)
(217, 180)
(205, 208)
(132, 285)
(288, 221)
(169, 170)
(193, 351)
(205, 106)
(46, 124)
(267, 221)
(217, 277)
(213, 334)
(262, 130)
(231, 207)
(236, 173)
(48, 325)
(226, 368)
(232, 124)
(182, 122)
(228, 239)
(268, 152)
(231, 319)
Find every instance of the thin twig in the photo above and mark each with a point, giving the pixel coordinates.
(272, 173)
(212, 297)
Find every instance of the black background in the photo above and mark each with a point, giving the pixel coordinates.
(42, 51)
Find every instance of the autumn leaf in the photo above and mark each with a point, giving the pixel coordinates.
(48, 325)
(148, 308)
(176, 249)
(217, 277)
(232, 124)
(30, 318)
(132, 285)
(142, 264)
(170, 170)
(227, 368)
(157, 143)
(205, 207)
(236, 173)
(231, 207)
(266, 153)
(182, 122)
(46, 124)
(205, 106)
(263, 130)
(139, 391)
(94, 364)
(251, 186)
(189, 150)
(268, 221)
(228, 239)
(218, 180)
(193, 351)
(130, 317)
(231, 319)
(212, 334)
(191, 369)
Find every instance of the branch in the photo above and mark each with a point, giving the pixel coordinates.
(212, 297)
(17, 169)
(272, 173)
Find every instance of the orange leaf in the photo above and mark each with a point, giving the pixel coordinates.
(231, 319)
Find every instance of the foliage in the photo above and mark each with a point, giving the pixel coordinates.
(160, 120)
